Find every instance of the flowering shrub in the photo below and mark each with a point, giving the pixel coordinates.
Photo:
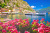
(23, 26)
(40, 28)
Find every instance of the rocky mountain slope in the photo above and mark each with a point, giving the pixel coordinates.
(45, 10)
(17, 4)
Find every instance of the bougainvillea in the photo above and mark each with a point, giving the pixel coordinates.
(24, 26)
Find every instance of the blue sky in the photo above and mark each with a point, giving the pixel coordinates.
(38, 4)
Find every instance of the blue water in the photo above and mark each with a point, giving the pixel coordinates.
(46, 17)
(31, 17)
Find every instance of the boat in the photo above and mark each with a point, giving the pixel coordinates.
(36, 14)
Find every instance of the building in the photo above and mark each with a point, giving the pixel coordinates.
(3, 10)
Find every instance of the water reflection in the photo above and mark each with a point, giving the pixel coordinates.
(46, 17)
(22, 16)
(12, 17)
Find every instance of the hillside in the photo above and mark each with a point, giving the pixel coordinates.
(45, 10)
(16, 4)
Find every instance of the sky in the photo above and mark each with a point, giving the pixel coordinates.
(38, 4)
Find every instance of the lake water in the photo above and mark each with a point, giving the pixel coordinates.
(31, 17)
(47, 17)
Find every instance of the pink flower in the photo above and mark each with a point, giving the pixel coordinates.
(19, 32)
(42, 19)
(1, 23)
(9, 27)
(27, 22)
(18, 23)
(3, 31)
(17, 20)
(43, 26)
(27, 32)
(37, 24)
(4, 25)
(34, 20)
(25, 25)
(26, 19)
(32, 28)
(14, 31)
(13, 25)
(40, 30)
(36, 29)
(37, 20)
(10, 30)
(47, 29)
(47, 21)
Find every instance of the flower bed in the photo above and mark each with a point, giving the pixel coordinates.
(24, 26)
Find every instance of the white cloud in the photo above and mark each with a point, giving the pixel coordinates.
(33, 6)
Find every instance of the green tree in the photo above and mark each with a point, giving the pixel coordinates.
(17, 5)
(2, 5)
(6, 1)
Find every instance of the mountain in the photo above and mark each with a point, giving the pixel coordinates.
(16, 4)
(44, 10)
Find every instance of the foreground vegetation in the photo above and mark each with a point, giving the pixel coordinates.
(24, 26)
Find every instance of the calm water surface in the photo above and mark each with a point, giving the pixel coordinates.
(18, 16)
(47, 17)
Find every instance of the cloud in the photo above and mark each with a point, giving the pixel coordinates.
(33, 6)
(41, 5)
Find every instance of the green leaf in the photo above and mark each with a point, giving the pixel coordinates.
(47, 24)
